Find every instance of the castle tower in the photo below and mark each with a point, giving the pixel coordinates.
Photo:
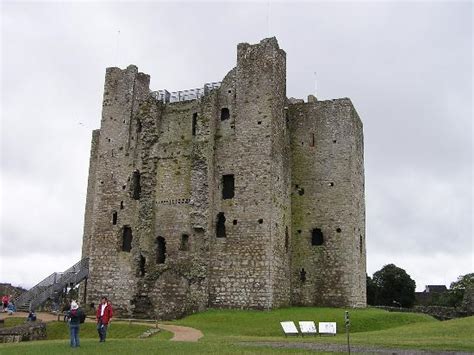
(249, 261)
(225, 196)
(328, 208)
(111, 204)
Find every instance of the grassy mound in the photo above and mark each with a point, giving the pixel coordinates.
(267, 323)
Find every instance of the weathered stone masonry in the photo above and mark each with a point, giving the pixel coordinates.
(238, 198)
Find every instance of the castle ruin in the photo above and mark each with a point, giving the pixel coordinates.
(227, 196)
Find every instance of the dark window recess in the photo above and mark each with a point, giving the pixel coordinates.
(311, 140)
(184, 242)
(317, 237)
(339, 230)
(127, 239)
(160, 250)
(299, 231)
(260, 221)
(259, 122)
(220, 225)
(234, 222)
(141, 266)
(114, 218)
(136, 187)
(139, 126)
(121, 205)
(195, 116)
(227, 187)
(287, 240)
(361, 243)
(302, 275)
(225, 114)
(301, 191)
(331, 184)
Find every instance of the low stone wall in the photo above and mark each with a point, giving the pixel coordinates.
(438, 312)
(24, 332)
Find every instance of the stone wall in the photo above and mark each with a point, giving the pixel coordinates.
(25, 332)
(163, 237)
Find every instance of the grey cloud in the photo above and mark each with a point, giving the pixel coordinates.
(407, 66)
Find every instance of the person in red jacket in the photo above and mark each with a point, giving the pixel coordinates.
(104, 316)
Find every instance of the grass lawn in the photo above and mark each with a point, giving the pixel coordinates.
(224, 329)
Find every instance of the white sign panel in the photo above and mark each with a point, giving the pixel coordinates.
(307, 327)
(327, 328)
(289, 327)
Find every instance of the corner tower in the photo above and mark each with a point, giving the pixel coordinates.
(328, 263)
(250, 253)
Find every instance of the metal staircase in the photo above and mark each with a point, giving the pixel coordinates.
(52, 286)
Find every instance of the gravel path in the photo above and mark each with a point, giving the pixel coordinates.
(339, 348)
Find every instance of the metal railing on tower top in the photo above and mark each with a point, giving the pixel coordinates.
(184, 95)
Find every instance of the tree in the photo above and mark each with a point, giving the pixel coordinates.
(371, 292)
(458, 288)
(394, 287)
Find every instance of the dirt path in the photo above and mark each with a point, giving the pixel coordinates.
(180, 333)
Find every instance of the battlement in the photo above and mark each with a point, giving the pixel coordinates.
(184, 95)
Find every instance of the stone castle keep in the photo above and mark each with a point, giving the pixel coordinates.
(228, 196)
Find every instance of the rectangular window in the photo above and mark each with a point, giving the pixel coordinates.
(227, 187)
(127, 239)
(195, 115)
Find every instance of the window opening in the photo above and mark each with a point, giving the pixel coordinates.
(317, 237)
(361, 243)
(225, 114)
(136, 185)
(114, 218)
(160, 250)
(195, 115)
(121, 205)
(286, 239)
(220, 225)
(339, 230)
(184, 242)
(142, 265)
(234, 222)
(228, 186)
(127, 239)
(311, 141)
(303, 275)
(260, 221)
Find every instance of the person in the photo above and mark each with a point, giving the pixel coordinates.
(103, 315)
(31, 316)
(11, 308)
(74, 319)
(5, 300)
(66, 309)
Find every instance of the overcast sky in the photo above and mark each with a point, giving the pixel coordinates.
(407, 66)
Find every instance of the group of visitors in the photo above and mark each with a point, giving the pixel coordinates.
(76, 316)
(8, 305)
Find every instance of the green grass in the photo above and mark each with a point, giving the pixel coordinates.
(60, 330)
(456, 334)
(224, 329)
(267, 323)
(14, 321)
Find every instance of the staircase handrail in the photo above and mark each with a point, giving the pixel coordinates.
(50, 282)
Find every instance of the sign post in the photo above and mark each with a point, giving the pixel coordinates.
(348, 324)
